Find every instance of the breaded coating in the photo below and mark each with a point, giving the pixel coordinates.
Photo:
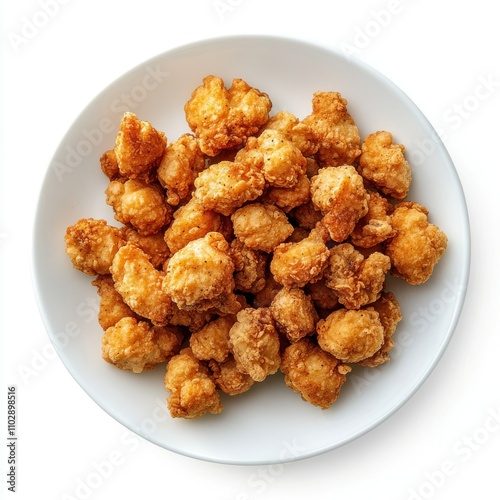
(136, 346)
(192, 390)
(265, 297)
(140, 204)
(154, 245)
(306, 216)
(255, 343)
(289, 198)
(342, 198)
(228, 378)
(212, 341)
(390, 315)
(280, 161)
(92, 244)
(112, 307)
(335, 133)
(224, 118)
(227, 185)
(375, 226)
(140, 284)
(294, 313)
(351, 335)
(417, 246)
(384, 164)
(296, 264)
(191, 222)
(355, 280)
(109, 165)
(192, 320)
(261, 226)
(315, 374)
(249, 267)
(322, 296)
(139, 147)
(200, 275)
(182, 161)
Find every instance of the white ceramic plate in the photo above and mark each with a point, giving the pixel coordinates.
(270, 423)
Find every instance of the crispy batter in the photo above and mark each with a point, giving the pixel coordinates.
(112, 307)
(249, 267)
(322, 296)
(315, 374)
(228, 378)
(192, 320)
(294, 313)
(92, 244)
(223, 118)
(136, 346)
(355, 280)
(261, 226)
(306, 215)
(212, 341)
(340, 195)
(384, 164)
(154, 245)
(227, 185)
(267, 294)
(417, 246)
(200, 276)
(109, 165)
(255, 343)
(139, 147)
(182, 161)
(140, 284)
(351, 335)
(335, 133)
(192, 390)
(289, 198)
(140, 204)
(296, 264)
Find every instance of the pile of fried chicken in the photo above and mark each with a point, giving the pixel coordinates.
(253, 244)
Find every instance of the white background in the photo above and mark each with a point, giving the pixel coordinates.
(445, 442)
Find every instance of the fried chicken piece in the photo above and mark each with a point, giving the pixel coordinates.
(139, 147)
(249, 267)
(92, 244)
(342, 198)
(384, 164)
(212, 341)
(294, 313)
(306, 216)
(279, 160)
(334, 131)
(140, 284)
(296, 264)
(112, 307)
(227, 185)
(200, 276)
(192, 320)
(322, 296)
(315, 374)
(289, 198)
(261, 226)
(191, 222)
(375, 226)
(109, 165)
(355, 280)
(351, 335)
(267, 294)
(255, 343)
(390, 315)
(192, 390)
(140, 204)
(224, 118)
(228, 378)
(154, 245)
(417, 246)
(136, 346)
(182, 161)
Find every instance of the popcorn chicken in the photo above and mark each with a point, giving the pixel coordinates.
(249, 267)
(140, 284)
(228, 378)
(109, 165)
(153, 245)
(92, 244)
(212, 341)
(289, 198)
(140, 204)
(192, 390)
(417, 246)
(315, 374)
(136, 346)
(384, 164)
(224, 118)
